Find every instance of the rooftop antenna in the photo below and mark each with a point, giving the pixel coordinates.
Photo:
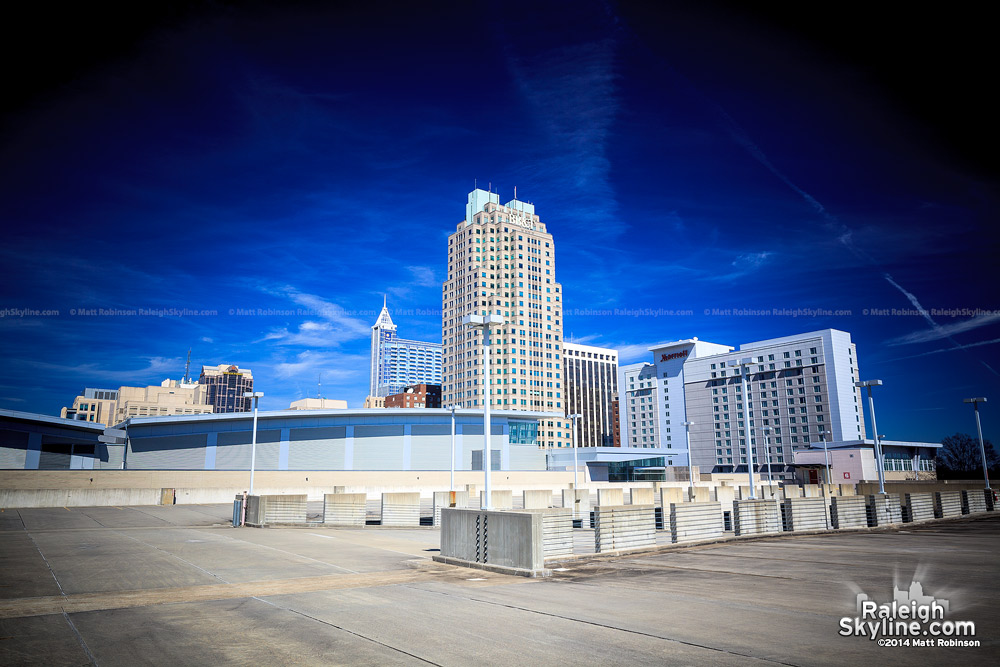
(475, 183)
(187, 368)
(515, 192)
(319, 386)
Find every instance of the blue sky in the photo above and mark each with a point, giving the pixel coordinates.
(299, 160)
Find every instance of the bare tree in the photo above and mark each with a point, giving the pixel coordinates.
(961, 453)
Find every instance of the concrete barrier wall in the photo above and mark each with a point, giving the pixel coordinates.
(21, 498)
(885, 509)
(769, 491)
(918, 507)
(725, 495)
(974, 502)
(624, 527)
(642, 497)
(557, 532)
(849, 511)
(947, 503)
(848, 490)
(502, 500)
(670, 496)
(503, 539)
(610, 497)
(690, 522)
(921, 486)
(538, 499)
(756, 517)
(702, 494)
(284, 509)
(582, 500)
(442, 499)
(344, 509)
(799, 514)
(400, 509)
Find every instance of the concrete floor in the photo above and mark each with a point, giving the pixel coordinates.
(178, 586)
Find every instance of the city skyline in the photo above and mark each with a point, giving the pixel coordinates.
(284, 167)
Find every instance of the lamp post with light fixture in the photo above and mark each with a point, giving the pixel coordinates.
(979, 429)
(687, 436)
(879, 463)
(255, 395)
(744, 365)
(767, 457)
(484, 322)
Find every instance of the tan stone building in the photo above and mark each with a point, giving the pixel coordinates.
(93, 405)
(501, 261)
(172, 397)
(374, 402)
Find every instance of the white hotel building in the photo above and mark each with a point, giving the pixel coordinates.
(800, 386)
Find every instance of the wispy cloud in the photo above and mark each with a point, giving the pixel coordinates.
(572, 93)
(940, 331)
(937, 331)
(156, 369)
(951, 349)
(334, 324)
(423, 276)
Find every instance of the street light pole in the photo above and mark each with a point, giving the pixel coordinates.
(767, 457)
(576, 464)
(878, 440)
(826, 453)
(979, 429)
(255, 395)
(744, 370)
(483, 322)
(453, 450)
(687, 436)
(573, 439)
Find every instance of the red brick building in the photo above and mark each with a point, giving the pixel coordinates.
(416, 396)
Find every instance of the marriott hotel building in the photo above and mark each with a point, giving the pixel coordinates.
(801, 390)
(501, 261)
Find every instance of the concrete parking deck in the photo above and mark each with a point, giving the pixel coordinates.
(177, 585)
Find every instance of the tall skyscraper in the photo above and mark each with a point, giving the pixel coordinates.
(397, 362)
(501, 261)
(225, 385)
(591, 387)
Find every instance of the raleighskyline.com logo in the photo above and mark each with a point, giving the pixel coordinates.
(910, 619)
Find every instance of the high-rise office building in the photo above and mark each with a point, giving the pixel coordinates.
(591, 387)
(397, 362)
(801, 390)
(225, 385)
(501, 261)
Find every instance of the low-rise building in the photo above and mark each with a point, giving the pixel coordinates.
(171, 397)
(416, 396)
(93, 405)
(320, 440)
(318, 404)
